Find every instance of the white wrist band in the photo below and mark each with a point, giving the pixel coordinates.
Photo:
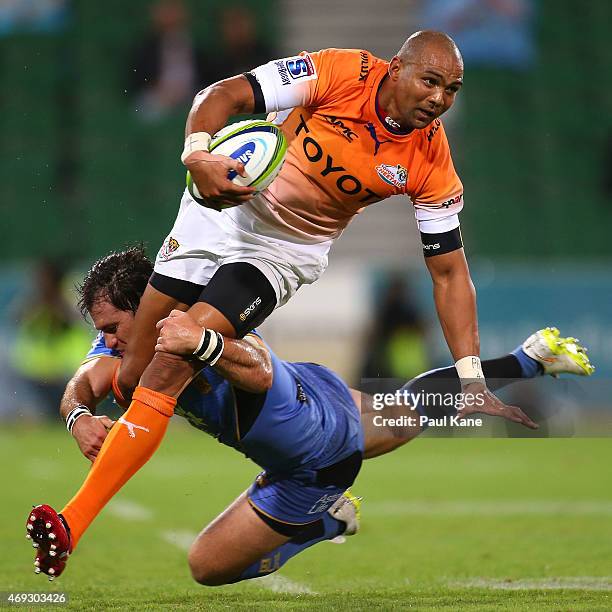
(210, 347)
(469, 368)
(198, 141)
(75, 414)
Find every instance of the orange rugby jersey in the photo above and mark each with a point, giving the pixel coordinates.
(341, 156)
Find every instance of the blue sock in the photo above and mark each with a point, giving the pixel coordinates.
(530, 368)
(325, 528)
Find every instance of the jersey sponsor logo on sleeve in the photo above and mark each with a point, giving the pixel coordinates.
(452, 201)
(342, 129)
(364, 68)
(447, 204)
(283, 73)
(393, 175)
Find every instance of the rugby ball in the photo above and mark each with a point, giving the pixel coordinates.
(259, 145)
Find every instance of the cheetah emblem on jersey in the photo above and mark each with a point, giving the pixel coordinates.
(393, 175)
(170, 245)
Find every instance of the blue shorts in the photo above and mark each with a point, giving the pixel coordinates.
(289, 502)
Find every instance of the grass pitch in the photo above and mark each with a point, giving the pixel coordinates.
(476, 524)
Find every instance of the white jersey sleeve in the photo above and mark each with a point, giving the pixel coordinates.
(436, 221)
(286, 83)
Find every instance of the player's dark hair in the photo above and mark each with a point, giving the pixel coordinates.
(120, 277)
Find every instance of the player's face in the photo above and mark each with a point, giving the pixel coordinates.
(425, 88)
(115, 324)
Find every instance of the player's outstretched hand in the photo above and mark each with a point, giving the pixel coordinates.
(50, 537)
(90, 432)
(179, 334)
(210, 174)
(484, 402)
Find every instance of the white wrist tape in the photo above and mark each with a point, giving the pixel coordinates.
(198, 141)
(210, 347)
(469, 369)
(75, 414)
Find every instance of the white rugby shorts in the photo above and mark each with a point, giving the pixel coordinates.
(203, 239)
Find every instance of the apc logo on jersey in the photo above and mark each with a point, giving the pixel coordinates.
(301, 67)
(342, 129)
(393, 175)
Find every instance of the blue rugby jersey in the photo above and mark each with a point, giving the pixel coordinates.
(308, 418)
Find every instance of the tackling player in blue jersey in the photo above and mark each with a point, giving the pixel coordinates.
(298, 421)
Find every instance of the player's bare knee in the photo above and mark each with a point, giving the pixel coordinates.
(209, 578)
(205, 571)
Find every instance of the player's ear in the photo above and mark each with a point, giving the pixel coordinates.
(394, 68)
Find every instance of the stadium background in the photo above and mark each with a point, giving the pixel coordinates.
(83, 173)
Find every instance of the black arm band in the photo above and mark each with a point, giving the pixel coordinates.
(438, 244)
(260, 103)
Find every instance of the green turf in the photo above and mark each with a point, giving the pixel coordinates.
(443, 522)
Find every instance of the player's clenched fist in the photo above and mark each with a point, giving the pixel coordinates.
(179, 334)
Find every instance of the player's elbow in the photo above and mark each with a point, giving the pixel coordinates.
(235, 94)
(267, 372)
(262, 381)
(262, 373)
(267, 380)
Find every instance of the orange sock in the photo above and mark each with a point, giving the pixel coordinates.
(129, 445)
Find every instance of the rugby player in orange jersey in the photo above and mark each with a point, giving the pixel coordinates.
(360, 129)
